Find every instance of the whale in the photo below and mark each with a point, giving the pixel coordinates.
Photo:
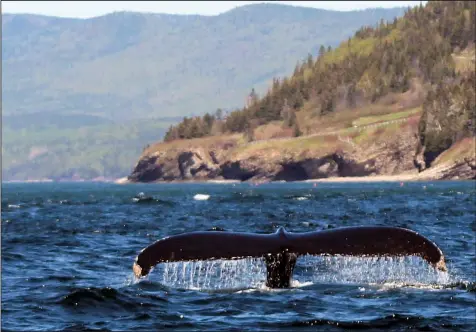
(280, 250)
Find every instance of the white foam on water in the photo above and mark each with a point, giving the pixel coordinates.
(13, 206)
(201, 197)
(298, 284)
(301, 198)
(131, 279)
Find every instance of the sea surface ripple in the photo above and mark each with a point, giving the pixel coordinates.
(68, 249)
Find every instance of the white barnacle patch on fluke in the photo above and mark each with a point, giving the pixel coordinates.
(137, 269)
(441, 265)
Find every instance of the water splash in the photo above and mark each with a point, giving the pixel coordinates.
(250, 273)
(201, 197)
(130, 279)
(409, 270)
(212, 275)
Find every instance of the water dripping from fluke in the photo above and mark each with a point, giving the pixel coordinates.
(386, 271)
(250, 274)
(214, 274)
(370, 255)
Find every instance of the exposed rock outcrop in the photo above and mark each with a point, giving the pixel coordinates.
(199, 164)
(389, 155)
(460, 170)
(191, 164)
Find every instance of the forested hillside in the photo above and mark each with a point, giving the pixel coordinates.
(128, 65)
(424, 59)
(89, 94)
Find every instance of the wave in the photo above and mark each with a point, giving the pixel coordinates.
(109, 298)
(295, 284)
(152, 201)
(242, 198)
(12, 256)
(44, 204)
(67, 202)
(201, 197)
(298, 197)
(142, 198)
(469, 286)
(59, 278)
(149, 285)
(82, 327)
(217, 229)
(89, 294)
(393, 321)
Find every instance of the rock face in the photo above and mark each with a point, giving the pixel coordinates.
(202, 164)
(392, 156)
(336, 164)
(193, 164)
(460, 170)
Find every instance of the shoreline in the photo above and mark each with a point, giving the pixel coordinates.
(432, 174)
(217, 181)
(374, 178)
(353, 179)
(436, 173)
(348, 179)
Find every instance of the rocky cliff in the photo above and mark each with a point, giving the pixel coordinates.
(380, 151)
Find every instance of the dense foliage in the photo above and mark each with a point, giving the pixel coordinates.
(449, 114)
(390, 58)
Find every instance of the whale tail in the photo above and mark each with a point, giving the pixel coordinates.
(281, 249)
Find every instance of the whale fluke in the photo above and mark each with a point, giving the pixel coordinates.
(281, 249)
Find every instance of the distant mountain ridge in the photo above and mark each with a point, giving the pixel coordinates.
(132, 65)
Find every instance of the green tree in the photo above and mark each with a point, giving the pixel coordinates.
(219, 114)
(322, 51)
(296, 130)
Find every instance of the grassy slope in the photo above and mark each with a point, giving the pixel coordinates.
(324, 142)
(458, 152)
(367, 120)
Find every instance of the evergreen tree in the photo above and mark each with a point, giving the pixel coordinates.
(322, 51)
(375, 62)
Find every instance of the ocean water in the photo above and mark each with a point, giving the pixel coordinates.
(68, 250)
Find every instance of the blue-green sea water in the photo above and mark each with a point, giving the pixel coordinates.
(68, 249)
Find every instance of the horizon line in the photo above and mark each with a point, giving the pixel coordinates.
(209, 15)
